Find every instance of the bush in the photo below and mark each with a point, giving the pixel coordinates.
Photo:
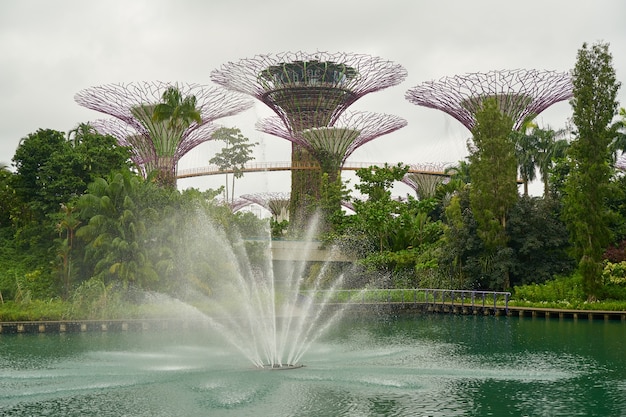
(559, 289)
(614, 273)
(33, 310)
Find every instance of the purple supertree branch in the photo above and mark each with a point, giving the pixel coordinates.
(238, 203)
(158, 145)
(425, 177)
(309, 89)
(520, 93)
(373, 73)
(196, 137)
(142, 146)
(273, 202)
(351, 131)
(118, 100)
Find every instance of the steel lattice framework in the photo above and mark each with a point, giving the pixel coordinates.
(424, 178)
(332, 145)
(158, 145)
(308, 90)
(142, 147)
(519, 93)
(276, 203)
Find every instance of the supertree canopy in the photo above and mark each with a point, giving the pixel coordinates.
(308, 91)
(144, 153)
(276, 203)
(158, 145)
(519, 93)
(332, 145)
(423, 183)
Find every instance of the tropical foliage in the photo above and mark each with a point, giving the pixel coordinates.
(587, 186)
(82, 234)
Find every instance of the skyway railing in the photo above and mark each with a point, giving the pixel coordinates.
(429, 169)
(431, 296)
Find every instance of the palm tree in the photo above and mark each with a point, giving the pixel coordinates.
(176, 110)
(459, 173)
(166, 122)
(115, 231)
(526, 152)
(551, 145)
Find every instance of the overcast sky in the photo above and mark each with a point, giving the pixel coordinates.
(51, 49)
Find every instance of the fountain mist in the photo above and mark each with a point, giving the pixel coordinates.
(271, 315)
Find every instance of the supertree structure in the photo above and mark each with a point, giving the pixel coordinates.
(139, 141)
(158, 145)
(519, 93)
(276, 203)
(236, 204)
(425, 178)
(332, 145)
(308, 91)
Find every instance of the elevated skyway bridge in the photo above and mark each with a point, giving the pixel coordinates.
(435, 169)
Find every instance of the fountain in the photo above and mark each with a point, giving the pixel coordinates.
(271, 314)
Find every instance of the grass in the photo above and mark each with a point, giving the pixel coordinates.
(606, 305)
(33, 310)
(561, 293)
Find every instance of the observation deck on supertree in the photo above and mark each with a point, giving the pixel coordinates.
(332, 145)
(158, 145)
(519, 93)
(308, 91)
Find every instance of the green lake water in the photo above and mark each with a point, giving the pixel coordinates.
(424, 365)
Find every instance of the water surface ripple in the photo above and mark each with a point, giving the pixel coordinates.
(427, 365)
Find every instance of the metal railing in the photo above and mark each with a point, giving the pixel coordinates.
(288, 166)
(430, 296)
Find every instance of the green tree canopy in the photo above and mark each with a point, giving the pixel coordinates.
(594, 106)
(233, 156)
(493, 190)
(493, 169)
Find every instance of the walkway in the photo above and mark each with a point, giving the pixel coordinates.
(428, 169)
(465, 302)
(368, 301)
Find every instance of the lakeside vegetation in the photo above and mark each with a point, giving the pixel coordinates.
(83, 234)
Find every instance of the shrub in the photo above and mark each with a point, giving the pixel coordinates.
(561, 288)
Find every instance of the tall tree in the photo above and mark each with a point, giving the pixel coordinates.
(493, 169)
(594, 107)
(233, 157)
(67, 230)
(32, 160)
